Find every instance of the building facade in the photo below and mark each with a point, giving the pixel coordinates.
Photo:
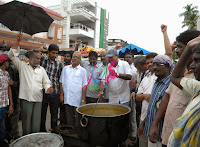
(83, 20)
(39, 40)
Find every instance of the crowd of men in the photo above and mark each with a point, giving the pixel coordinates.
(163, 97)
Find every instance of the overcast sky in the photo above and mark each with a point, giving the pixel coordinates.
(139, 21)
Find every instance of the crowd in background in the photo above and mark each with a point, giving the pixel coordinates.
(163, 96)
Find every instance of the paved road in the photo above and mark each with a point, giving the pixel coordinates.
(48, 126)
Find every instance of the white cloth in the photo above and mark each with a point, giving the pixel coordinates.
(190, 86)
(146, 87)
(119, 90)
(32, 81)
(157, 144)
(73, 80)
(133, 71)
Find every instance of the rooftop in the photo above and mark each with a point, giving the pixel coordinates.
(46, 9)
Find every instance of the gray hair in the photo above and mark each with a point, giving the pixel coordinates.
(32, 53)
(140, 60)
(78, 53)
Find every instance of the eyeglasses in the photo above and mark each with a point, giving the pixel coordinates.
(158, 64)
(75, 57)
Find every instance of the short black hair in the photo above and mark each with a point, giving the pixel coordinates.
(188, 35)
(69, 52)
(151, 55)
(93, 53)
(129, 54)
(53, 47)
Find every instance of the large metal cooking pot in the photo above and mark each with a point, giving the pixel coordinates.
(103, 124)
(39, 140)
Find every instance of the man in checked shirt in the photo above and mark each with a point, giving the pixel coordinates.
(53, 68)
(5, 95)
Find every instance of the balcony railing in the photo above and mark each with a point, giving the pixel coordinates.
(84, 9)
(81, 26)
(83, 2)
(80, 10)
(81, 30)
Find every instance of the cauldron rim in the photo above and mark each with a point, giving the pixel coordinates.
(39, 133)
(77, 110)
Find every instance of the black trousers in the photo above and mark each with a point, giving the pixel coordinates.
(53, 100)
(71, 115)
(63, 119)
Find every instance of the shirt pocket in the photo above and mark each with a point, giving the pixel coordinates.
(76, 84)
(76, 80)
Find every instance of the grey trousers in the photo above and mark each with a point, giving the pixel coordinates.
(31, 116)
(143, 141)
(133, 123)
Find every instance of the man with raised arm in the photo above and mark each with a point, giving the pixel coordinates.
(186, 128)
(174, 100)
(33, 78)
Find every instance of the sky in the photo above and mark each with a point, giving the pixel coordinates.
(138, 21)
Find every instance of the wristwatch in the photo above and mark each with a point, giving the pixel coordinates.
(117, 75)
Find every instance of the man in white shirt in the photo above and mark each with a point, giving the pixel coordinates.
(33, 78)
(119, 91)
(144, 93)
(72, 82)
(129, 58)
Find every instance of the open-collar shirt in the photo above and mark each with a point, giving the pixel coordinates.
(53, 70)
(73, 80)
(32, 81)
(146, 87)
(119, 91)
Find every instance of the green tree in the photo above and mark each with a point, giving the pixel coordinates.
(190, 15)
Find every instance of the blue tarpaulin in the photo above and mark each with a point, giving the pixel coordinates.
(133, 49)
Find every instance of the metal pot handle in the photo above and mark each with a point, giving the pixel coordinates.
(86, 121)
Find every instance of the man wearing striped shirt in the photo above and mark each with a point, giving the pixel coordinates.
(53, 68)
(162, 66)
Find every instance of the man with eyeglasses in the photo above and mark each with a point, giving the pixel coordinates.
(162, 65)
(72, 94)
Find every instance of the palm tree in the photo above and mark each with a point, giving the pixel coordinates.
(190, 16)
